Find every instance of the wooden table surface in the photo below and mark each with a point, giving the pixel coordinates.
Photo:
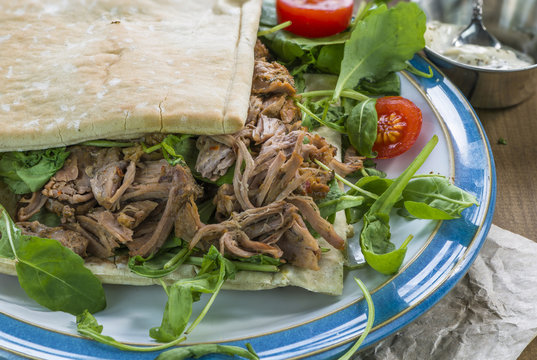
(516, 172)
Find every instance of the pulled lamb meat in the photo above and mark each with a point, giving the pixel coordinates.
(276, 229)
(272, 77)
(310, 212)
(299, 247)
(266, 224)
(111, 181)
(68, 238)
(225, 202)
(108, 221)
(351, 163)
(71, 184)
(290, 113)
(215, 157)
(135, 213)
(67, 212)
(260, 51)
(254, 109)
(265, 208)
(106, 202)
(284, 165)
(272, 105)
(272, 90)
(183, 189)
(151, 181)
(280, 106)
(266, 128)
(272, 112)
(34, 205)
(187, 221)
(102, 243)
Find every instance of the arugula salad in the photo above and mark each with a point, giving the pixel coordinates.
(356, 67)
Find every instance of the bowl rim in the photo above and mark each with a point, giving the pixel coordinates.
(428, 51)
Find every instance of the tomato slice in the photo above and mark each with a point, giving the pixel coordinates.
(315, 18)
(399, 124)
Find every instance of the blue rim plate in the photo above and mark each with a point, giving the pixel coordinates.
(292, 323)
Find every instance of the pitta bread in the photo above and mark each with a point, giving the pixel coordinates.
(73, 71)
(327, 280)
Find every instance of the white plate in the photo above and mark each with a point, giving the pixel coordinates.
(291, 322)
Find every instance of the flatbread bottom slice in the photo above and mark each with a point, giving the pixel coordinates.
(327, 280)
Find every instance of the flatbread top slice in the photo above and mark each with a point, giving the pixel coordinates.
(72, 71)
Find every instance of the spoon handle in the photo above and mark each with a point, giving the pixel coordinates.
(477, 10)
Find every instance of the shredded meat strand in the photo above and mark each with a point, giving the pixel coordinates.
(34, 205)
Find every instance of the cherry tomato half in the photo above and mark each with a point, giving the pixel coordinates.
(315, 18)
(399, 124)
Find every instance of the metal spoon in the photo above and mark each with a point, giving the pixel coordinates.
(476, 33)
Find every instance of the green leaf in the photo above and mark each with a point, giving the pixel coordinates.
(10, 235)
(227, 178)
(50, 273)
(290, 48)
(434, 197)
(197, 351)
(381, 43)
(298, 53)
(332, 207)
(181, 295)
(386, 201)
(107, 143)
(157, 266)
(424, 211)
(215, 269)
(370, 320)
(88, 326)
(177, 149)
(378, 250)
(374, 184)
(362, 127)
(176, 314)
(336, 200)
(388, 85)
(268, 14)
(377, 233)
(56, 278)
(329, 58)
(28, 171)
(260, 259)
(86, 320)
(46, 217)
(170, 256)
(206, 211)
(381, 254)
(328, 113)
(370, 171)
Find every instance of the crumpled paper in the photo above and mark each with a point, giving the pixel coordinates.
(490, 314)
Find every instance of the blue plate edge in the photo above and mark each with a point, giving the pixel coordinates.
(457, 273)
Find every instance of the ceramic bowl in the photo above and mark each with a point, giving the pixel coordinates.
(514, 23)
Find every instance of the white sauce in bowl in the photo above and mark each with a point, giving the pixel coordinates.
(439, 37)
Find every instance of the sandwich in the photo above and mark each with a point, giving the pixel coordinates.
(124, 122)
